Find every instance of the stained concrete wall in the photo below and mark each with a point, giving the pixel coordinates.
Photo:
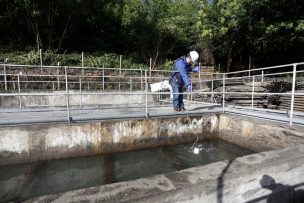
(44, 142)
(75, 100)
(257, 134)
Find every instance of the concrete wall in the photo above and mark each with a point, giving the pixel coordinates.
(56, 141)
(75, 100)
(257, 134)
(272, 176)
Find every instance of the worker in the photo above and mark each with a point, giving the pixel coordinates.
(179, 78)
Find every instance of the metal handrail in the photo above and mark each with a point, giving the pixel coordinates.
(264, 68)
(67, 92)
(68, 67)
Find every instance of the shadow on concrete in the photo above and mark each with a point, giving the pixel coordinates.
(220, 182)
(280, 192)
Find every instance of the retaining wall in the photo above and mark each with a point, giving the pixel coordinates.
(56, 141)
(74, 100)
(258, 134)
(21, 144)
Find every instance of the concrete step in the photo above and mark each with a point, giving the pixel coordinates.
(229, 97)
(295, 101)
(249, 102)
(289, 99)
(296, 96)
(295, 107)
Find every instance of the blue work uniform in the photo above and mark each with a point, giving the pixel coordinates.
(177, 79)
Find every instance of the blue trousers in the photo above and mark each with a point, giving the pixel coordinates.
(178, 100)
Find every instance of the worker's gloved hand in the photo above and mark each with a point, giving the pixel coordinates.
(195, 69)
(189, 88)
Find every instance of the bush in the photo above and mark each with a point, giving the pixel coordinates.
(49, 58)
(167, 65)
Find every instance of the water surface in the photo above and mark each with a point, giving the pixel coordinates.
(22, 181)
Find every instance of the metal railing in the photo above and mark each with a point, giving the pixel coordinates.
(83, 81)
(262, 76)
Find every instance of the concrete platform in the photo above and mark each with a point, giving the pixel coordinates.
(28, 116)
(105, 112)
(51, 107)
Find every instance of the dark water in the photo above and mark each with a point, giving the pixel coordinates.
(19, 182)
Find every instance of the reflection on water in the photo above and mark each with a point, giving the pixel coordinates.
(19, 182)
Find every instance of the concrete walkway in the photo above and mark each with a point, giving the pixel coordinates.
(109, 112)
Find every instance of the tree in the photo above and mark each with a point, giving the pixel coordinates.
(221, 27)
(271, 32)
(160, 28)
(276, 30)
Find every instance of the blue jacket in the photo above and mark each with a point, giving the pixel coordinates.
(180, 71)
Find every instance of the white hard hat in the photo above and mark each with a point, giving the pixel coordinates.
(194, 56)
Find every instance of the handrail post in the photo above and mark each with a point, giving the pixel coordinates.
(150, 67)
(141, 80)
(58, 78)
(5, 82)
(103, 79)
(223, 92)
(146, 93)
(249, 65)
(120, 62)
(19, 92)
(80, 90)
(67, 94)
(40, 55)
(212, 95)
(82, 59)
(293, 92)
(262, 76)
(252, 95)
(199, 74)
(191, 92)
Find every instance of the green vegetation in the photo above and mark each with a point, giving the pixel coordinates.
(225, 32)
(73, 59)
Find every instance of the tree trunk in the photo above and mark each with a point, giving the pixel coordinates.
(229, 57)
(63, 33)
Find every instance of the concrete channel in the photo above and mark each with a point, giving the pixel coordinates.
(274, 173)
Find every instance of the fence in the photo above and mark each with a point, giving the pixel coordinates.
(20, 81)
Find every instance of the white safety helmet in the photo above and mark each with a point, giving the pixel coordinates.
(194, 56)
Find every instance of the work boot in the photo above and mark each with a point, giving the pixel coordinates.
(182, 109)
(176, 109)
